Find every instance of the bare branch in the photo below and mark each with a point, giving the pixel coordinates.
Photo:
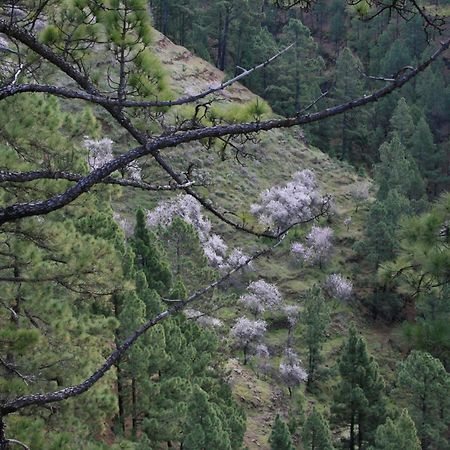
(12, 369)
(21, 177)
(16, 442)
(13, 89)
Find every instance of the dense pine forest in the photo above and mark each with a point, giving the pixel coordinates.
(224, 224)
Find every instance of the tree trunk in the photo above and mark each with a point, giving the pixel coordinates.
(165, 17)
(120, 383)
(352, 431)
(223, 42)
(133, 408)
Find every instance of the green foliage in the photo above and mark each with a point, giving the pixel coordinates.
(315, 319)
(316, 433)
(185, 253)
(280, 438)
(420, 272)
(149, 257)
(398, 434)
(423, 384)
(359, 401)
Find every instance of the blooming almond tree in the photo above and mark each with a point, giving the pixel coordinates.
(260, 297)
(189, 209)
(292, 313)
(247, 332)
(291, 370)
(284, 206)
(336, 286)
(318, 247)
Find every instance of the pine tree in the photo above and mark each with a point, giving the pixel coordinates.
(398, 434)
(297, 83)
(424, 384)
(429, 157)
(402, 122)
(203, 427)
(149, 257)
(315, 319)
(185, 254)
(397, 171)
(316, 433)
(359, 401)
(280, 438)
(350, 129)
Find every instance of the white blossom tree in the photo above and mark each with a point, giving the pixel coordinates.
(292, 313)
(360, 193)
(336, 286)
(246, 333)
(298, 201)
(318, 247)
(291, 370)
(261, 296)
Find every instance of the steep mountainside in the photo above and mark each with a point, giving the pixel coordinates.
(235, 183)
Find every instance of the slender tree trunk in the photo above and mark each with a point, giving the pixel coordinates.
(121, 398)
(3, 443)
(120, 383)
(165, 17)
(224, 41)
(134, 407)
(352, 431)
(360, 432)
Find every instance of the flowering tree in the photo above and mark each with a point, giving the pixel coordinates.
(360, 193)
(318, 247)
(100, 153)
(291, 370)
(336, 286)
(292, 313)
(189, 209)
(261, 296)
(298, 201)
(247, 332)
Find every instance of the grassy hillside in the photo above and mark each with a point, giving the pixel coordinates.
(234, 186)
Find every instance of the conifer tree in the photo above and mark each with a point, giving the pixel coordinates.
(398, 434)
(316, 433)
(296, 84)
(203, 427)
(315, 319)
(149, 257)
(397, 171)
(429, 157)
(424, 384)
(280, 438)
(350, 129)
(359, 401)
(185, 254)
(402, 122)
